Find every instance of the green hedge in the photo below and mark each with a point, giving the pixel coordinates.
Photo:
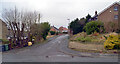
(4, 41)
(52, 32)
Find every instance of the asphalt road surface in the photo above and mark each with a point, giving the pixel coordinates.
(54, 50)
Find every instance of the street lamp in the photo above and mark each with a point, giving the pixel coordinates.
(68, 26)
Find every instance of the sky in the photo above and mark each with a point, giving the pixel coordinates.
(56, 12)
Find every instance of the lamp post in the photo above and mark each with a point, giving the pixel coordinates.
(68, 26)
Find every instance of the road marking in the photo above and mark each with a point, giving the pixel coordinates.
(62, 55)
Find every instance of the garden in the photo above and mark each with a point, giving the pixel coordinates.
(25, 30)
(95, 43)
(92, 37)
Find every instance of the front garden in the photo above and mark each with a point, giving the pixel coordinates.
(93, 37)
(6, 45)
(95, 43)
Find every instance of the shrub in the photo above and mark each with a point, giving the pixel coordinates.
(52, 32)
(84, 39)
(93, 26)
(4, 41)
(57, 33)
(40, 30)
(112, 42)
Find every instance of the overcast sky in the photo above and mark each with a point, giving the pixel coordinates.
(56, 12)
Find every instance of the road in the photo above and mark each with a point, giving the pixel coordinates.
(55, 50)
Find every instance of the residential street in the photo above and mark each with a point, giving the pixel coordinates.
(54, 50)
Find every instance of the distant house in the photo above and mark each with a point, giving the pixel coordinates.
(109, 15)
(63, 29)
(53, 28)
(3, 30)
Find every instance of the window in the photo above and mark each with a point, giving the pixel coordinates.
(115, 8)
(116, 17)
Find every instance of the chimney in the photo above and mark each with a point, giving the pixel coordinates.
(96, 13)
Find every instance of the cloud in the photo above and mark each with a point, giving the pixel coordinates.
(58, 11)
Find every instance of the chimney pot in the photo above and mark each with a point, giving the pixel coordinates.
(95, 12)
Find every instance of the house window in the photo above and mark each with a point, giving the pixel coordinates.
(116, 8)
(116, 17)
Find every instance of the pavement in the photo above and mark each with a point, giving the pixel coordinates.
(55, 49)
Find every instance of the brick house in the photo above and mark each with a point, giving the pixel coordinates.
(63, 29)
(53, 28)
(3, 30)
(110, 17)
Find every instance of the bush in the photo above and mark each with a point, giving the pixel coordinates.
(93, 26)
(112, 42)
(4, 41)
(57, 33)
(46, 27)
(40, 30)
(52, 32)
(84, 39)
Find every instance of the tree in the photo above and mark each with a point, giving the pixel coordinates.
(30, 19)
(74, 26)
(40, 30)
(77, 25)
(19, 23)
(93, 26)
(87, 18)
(46, 27)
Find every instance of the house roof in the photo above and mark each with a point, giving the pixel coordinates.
(3, 22)
(109, 7)
(62, 28)
(54, 27)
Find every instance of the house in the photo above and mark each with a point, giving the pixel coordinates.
(53, 28)
(110, 17)
(63, 29)
(3, 30)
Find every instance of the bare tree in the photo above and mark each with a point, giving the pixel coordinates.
(20, 23)
(30, 19)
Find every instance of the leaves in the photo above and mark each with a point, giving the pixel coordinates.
(40, 30)
(112, 42)
(93, 26)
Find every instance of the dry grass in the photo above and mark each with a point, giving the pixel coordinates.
(49, 36)
(89, 47)
(78, 45)
(95, 45)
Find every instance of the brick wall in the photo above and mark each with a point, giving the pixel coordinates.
(4, 31)
(119, 18)
(108, 16)
(0, 29)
